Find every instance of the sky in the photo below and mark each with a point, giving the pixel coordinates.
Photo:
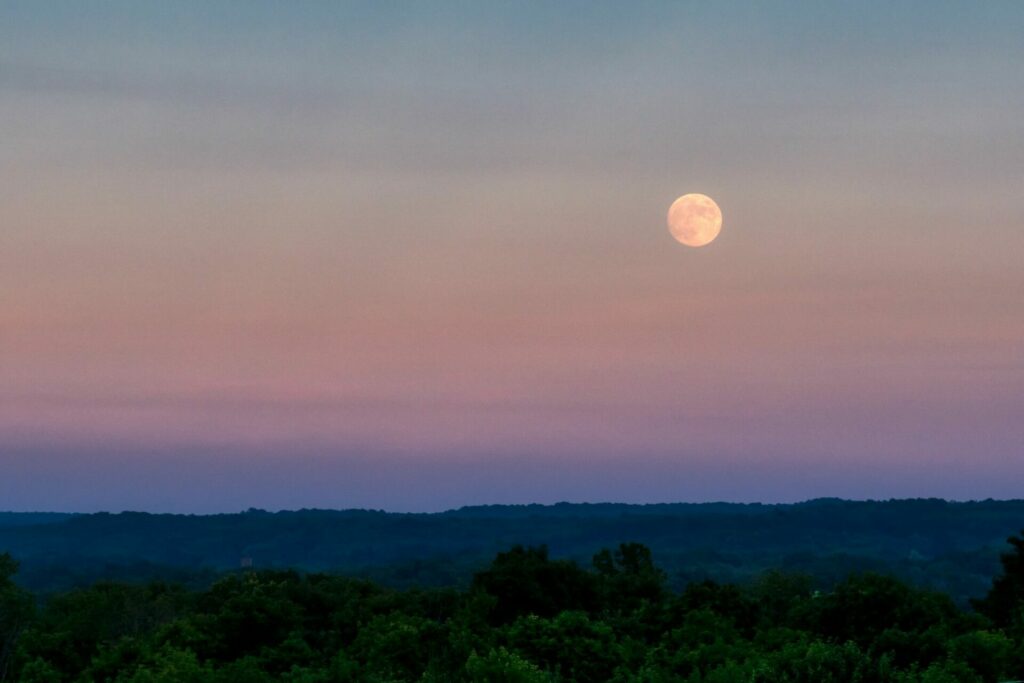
(413, 256)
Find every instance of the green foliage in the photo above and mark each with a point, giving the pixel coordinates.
(15, 612)
(988, 653)
(570, 645)
(526, 618)
(104, 622)
(502, 666)
(170, 665)
(779, 594)
(1004, 603)
(861, 608)
(526, 581)
(629, 576)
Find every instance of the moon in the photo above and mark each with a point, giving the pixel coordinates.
(694, 220)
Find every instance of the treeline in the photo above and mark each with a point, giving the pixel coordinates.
(946, 546)
(525, 617)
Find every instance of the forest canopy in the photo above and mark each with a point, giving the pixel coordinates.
(525, 617)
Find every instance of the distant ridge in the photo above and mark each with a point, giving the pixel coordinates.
(950, 546)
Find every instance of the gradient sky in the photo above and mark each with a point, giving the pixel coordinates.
(413, 255)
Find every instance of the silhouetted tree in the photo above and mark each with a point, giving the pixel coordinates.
(526, 581)
(628, 578)
(1004, 604)
(15, 610)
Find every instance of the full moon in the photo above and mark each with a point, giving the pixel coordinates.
(694, 220)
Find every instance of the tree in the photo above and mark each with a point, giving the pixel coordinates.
(525, 581)
(171, 666)
(778, 594)
(15, 612)
(75, 626)
(725, 600)
(502, 666)
(1004, 604)
(571, 645)
(629, 575)
(865, 606)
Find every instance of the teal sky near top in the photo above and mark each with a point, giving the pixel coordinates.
(414, 255)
